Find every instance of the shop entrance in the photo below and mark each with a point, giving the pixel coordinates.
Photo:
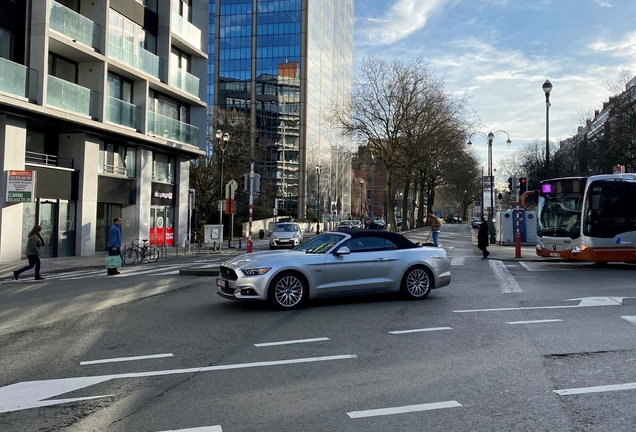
(106, 213)
(161, 228)
(57, 218)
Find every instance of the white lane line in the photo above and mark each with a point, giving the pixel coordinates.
(35, 394)
(266, 344)
(506, 281)
(125, 359)
(420, 330)
(631, 319)
(199, 429)
(403, 409)
(126, 274)
(535, 322)
(527, 267)
(458, 261)
(597, 389)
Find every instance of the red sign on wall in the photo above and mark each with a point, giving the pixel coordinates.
(157, 236)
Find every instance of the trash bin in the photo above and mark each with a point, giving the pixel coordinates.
(261, 233)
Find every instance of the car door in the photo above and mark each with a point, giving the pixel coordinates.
(364, 268)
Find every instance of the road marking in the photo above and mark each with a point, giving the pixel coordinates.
(583, 302)
(199, 429)
(597, 389)
(403, 409)
(420, 330)
(507, 282)
(35, 394)
(458, 261)
(266, 344)
(125, 359)
(527, 267)
(631, 319)
(535, 322)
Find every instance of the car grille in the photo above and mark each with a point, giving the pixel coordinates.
(228, 273)
(228, 291)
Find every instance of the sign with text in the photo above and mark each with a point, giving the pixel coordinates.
(20, 186)
(488, 184)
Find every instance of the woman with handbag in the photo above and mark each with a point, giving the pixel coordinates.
(114, 244)
(34, 243)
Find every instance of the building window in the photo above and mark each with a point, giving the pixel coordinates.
(119, 87)
(182, 7)
(369, 178)
(180, 59)
(116, 159)
(369, 194)
(6, 44)
(62, 68)
(163, 168)
(122, 27)
(167, 107)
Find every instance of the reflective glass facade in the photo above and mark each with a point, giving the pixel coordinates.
(285, 63)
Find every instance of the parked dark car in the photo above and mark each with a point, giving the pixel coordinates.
(452, 219)
(475, 222)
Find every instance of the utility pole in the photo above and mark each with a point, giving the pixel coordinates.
(517, 218)
(248, 248)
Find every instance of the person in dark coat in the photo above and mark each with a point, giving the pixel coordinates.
(482, 238)
(34, 243)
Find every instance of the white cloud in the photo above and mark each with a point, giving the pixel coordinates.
(605, 4)
(625, 47)
(404, 18)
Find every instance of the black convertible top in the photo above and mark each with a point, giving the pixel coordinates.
(398, 239)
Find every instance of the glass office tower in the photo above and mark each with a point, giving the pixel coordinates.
(286, 63)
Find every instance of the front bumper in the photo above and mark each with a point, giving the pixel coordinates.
(243, 288)
(284, 243)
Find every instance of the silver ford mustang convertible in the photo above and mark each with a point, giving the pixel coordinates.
(336, 263)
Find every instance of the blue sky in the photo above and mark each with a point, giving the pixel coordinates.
(501, 52)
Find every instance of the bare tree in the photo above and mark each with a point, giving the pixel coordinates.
(617, 86)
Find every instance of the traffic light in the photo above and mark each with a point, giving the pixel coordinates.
(510, 188)
(523, 183)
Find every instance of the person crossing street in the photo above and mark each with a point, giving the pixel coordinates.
(114, 243)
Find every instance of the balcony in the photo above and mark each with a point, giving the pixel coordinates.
(185, 30)
(172, 129)
(123, 113)
(18, 80)
(71, 97)
(135, 56)
(79, 28)
(33, 158)
(184, 81)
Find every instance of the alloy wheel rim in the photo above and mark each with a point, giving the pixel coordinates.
(288, 291)
(417, 282)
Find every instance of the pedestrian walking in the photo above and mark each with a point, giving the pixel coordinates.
(436, 226)
(482, 238)
(34, 243)
(114, 243)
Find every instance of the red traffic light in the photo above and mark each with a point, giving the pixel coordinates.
(522, 184)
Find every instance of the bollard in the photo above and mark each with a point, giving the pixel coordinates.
(214, 246)
(239, 243)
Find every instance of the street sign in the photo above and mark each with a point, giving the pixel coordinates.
(230, 189)
(20, 186)
(229, 206)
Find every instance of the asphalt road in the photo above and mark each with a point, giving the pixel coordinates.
(506, 347)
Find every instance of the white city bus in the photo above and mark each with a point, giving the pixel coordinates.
(588, 219)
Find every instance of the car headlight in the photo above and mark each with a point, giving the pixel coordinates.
(256, 271)
(578, 248)
(296, 236)
(274, 237)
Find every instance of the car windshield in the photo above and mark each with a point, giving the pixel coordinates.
(320, 244)
(286, 228)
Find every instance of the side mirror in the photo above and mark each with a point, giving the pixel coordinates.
(343, 251)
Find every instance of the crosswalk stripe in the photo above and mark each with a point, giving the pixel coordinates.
(506, 281)
(458, 261)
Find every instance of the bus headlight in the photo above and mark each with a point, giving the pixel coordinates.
(578, 249)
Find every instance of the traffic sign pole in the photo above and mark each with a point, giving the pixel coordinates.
(518, 218)
(248, 248)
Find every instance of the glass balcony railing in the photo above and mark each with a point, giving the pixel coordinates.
(123, 113)
(185, 30)
(172, 129)
(72, 97)
(135, 56)
(77, 27)
(17, 79)
(184, 81)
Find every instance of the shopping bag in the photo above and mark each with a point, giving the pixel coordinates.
(113, 261)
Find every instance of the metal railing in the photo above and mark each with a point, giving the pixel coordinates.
(112, 169)
(76, 26)
(48, 160)
(123, 113)
(166, 127)
(72, 97)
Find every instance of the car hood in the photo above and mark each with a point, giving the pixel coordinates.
(257, 259)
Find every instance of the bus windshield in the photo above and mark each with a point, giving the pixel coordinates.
(610, 208)
(560, 215)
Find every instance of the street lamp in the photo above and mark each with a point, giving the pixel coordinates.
(318, 169)
(489, 139)
(547, 88)
(361, 187)
(221, 137)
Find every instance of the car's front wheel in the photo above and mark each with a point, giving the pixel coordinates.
(287, 291)
(417, 283)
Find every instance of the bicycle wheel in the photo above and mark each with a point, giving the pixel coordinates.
(129, 255)
(151, 254)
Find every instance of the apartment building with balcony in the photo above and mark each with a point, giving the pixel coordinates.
(104, 101)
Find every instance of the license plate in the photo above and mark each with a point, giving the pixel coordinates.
(284, 241)
(221, 283)
(554, 254)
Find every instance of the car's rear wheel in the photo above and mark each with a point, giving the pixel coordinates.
(417, 283)
(288, 291)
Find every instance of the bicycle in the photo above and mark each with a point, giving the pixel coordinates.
(140, 251)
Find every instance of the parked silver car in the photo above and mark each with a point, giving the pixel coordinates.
(286, 235)
(336, 263)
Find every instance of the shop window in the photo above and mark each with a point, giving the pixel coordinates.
(117, 160)
(163, 168)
